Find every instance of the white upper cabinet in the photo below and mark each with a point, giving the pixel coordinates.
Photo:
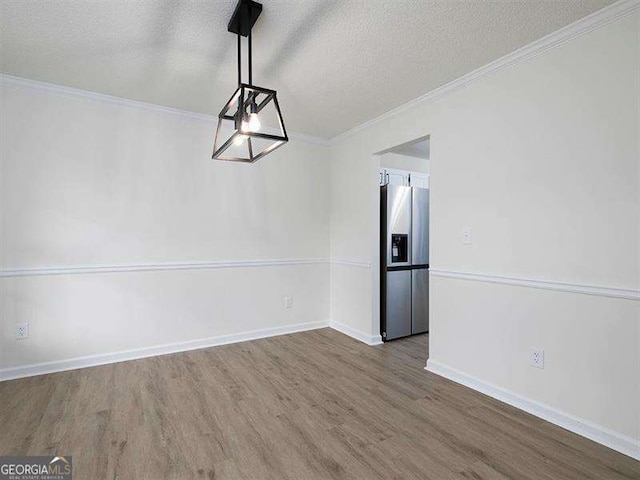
(397, 177)
(392, 176)
(419, 180)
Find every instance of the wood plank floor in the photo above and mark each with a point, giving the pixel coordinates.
(310, 405)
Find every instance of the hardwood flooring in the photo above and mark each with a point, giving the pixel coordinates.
(310, 405)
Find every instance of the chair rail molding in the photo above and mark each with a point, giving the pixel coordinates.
(627, 294)
(148, 267)
(350, 262)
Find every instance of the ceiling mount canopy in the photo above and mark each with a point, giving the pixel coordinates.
(240, 135)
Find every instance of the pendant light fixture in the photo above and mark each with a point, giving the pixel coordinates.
(241, 135)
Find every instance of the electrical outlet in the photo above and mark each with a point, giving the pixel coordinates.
(288, 302)
(537, 357)
(21, 331)
(466, 236)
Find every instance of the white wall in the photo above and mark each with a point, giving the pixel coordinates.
(404, 162)
(88, 183)
(541, 159)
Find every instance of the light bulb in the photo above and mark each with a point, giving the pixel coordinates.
(239, 139)
(245, 126)
(254, 122)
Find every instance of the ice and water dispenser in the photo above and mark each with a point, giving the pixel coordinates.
(399, 248)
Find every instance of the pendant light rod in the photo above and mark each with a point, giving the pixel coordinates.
(239, 60)
(250, 60)
(244, 17)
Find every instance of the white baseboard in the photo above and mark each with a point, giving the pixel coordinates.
(597, 433)
(357, 334)
(103, 359)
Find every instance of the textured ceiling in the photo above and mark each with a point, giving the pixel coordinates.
(335, 64)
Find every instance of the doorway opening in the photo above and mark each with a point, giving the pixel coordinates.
(403, 224)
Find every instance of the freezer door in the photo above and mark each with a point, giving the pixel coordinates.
(420, 226)
(419, 300)
(398, 305)
(398, 223)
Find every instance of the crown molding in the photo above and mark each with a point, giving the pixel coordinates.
(585, 25)
(626, 294)
(71, 92)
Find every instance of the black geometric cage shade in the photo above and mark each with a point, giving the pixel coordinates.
(235, 141)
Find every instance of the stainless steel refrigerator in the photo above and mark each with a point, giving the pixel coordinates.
(404, 261)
